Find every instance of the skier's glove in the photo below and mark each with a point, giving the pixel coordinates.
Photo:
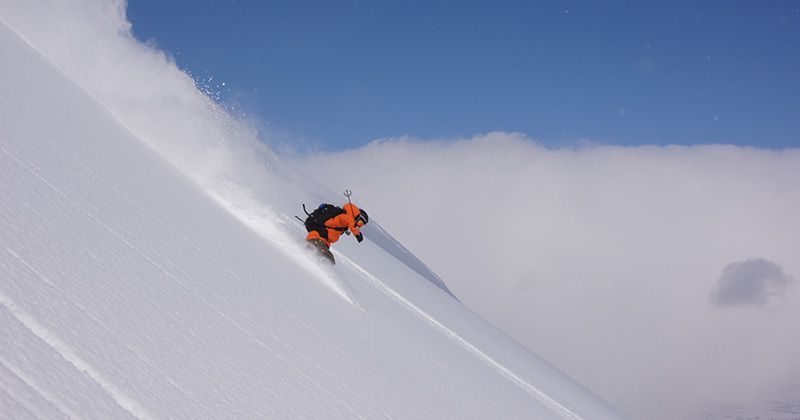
(359, 237)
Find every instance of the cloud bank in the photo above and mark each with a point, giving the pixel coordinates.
(601, 258)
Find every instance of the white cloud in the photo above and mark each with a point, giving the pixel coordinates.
(600, 258)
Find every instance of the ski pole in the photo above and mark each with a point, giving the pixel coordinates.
(348, 193)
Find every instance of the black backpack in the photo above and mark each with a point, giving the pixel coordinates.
(317, 218)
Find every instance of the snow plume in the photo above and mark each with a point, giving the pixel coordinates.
(141, 86)
(601, 258)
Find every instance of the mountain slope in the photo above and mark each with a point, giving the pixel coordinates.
(127, 290)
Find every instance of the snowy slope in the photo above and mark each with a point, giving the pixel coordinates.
(127, 290)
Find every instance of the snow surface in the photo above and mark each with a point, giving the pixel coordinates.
(130, 290)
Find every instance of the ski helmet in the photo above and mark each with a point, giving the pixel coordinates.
(362, 216)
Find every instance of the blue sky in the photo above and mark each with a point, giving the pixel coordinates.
(342, 73)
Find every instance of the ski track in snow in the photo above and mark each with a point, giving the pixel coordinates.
(31, 383)
(500, 368)
(124, 401)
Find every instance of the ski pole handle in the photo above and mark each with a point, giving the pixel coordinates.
(348, 193)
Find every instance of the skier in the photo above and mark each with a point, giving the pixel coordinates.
(327, 223)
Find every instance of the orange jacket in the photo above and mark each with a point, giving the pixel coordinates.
(337, 225)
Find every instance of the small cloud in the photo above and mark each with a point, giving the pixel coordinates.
(756, 281)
